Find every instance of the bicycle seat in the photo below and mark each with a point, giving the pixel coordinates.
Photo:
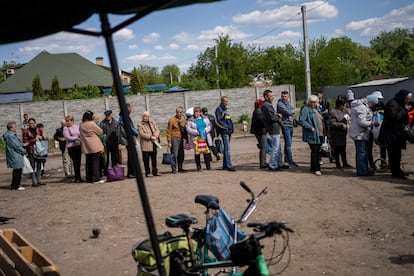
(180, 221)
(209, 201)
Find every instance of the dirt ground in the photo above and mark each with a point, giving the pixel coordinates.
(344, 225)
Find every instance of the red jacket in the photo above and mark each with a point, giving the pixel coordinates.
(28, 137)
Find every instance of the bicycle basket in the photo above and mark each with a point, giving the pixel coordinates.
(145, 257)
(243, 252)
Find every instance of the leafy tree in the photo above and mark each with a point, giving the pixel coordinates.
(38, 92)
(170, 74)
(150, 74)
(231, 61)
(56, 93)
(192, 83)
(396, 52)
(137, 81)
(84, 92)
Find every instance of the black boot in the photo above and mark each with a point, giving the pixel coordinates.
(198, 162)
(207, 159)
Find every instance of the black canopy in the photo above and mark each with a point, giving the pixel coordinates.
(25, 20)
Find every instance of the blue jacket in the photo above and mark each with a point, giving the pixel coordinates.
(309, 119)
(287, 110)
(224, 124)
(14, 150)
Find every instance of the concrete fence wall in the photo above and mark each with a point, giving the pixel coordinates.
(161, 106)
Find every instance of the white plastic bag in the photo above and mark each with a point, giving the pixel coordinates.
(27, 167)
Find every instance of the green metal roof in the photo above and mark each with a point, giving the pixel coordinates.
(70, 69)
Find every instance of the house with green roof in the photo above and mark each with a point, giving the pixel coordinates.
(70, 69)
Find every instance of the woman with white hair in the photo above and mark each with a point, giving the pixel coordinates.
(312, 128)
(149, 135)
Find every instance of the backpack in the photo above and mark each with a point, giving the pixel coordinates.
(145, 257)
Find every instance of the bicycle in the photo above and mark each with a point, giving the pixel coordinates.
(194, 258)
(245, 253)
(205, 238)
(201, 259)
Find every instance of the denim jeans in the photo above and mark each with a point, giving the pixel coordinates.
(361, 156)
(226, 148)
(276, 152)
(287, 136)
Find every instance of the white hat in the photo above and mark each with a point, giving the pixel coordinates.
(378, 94)
(350, 95)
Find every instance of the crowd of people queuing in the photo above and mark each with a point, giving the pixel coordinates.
(367, 121)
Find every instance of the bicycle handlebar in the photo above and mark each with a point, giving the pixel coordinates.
(268, 229)
(251, 206)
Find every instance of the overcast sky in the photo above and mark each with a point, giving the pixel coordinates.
(178, 36)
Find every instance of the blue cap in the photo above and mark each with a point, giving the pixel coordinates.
(108, 112)
(372, 99)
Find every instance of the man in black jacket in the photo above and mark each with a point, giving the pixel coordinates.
(272, 122)
(112, 130)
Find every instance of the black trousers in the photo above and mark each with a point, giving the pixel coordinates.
(340, 151)
(394, 157)
(92, 167)
(131, 169)
(75, 154)
(315, 157)
(114, 157)
(146, 156)
(16, 178)
(207, 158)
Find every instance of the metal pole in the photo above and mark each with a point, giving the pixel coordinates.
(106, 31)
(306, 50)
(217, 68)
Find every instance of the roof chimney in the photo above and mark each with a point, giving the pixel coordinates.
(99, 61)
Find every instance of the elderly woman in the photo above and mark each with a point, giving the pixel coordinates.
(199, 128)
(14, 155)
(149, 135)
(338, 130)
(312, 128)
(92, 147)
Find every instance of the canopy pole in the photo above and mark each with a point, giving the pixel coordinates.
(107, 34)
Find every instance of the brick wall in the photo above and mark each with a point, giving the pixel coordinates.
(161, 106)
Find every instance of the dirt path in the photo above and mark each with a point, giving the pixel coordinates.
(345, 225)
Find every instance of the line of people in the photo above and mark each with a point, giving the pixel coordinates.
(365, 120)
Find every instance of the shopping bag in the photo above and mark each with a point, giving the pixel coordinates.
(200, 145)
(324, 149)
(115, 173)
(220, 232)
(27, 167)
(219, 145)
(40, 148)
(168, 158)
(409, 133)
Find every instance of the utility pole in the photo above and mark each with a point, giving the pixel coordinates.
(306, 50)
(217, 69)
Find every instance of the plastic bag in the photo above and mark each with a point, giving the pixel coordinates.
(27, 167)
(41, 148)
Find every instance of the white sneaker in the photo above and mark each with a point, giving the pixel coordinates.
(318, 173)
(99, 182)
(321, 162)
(20, 188)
